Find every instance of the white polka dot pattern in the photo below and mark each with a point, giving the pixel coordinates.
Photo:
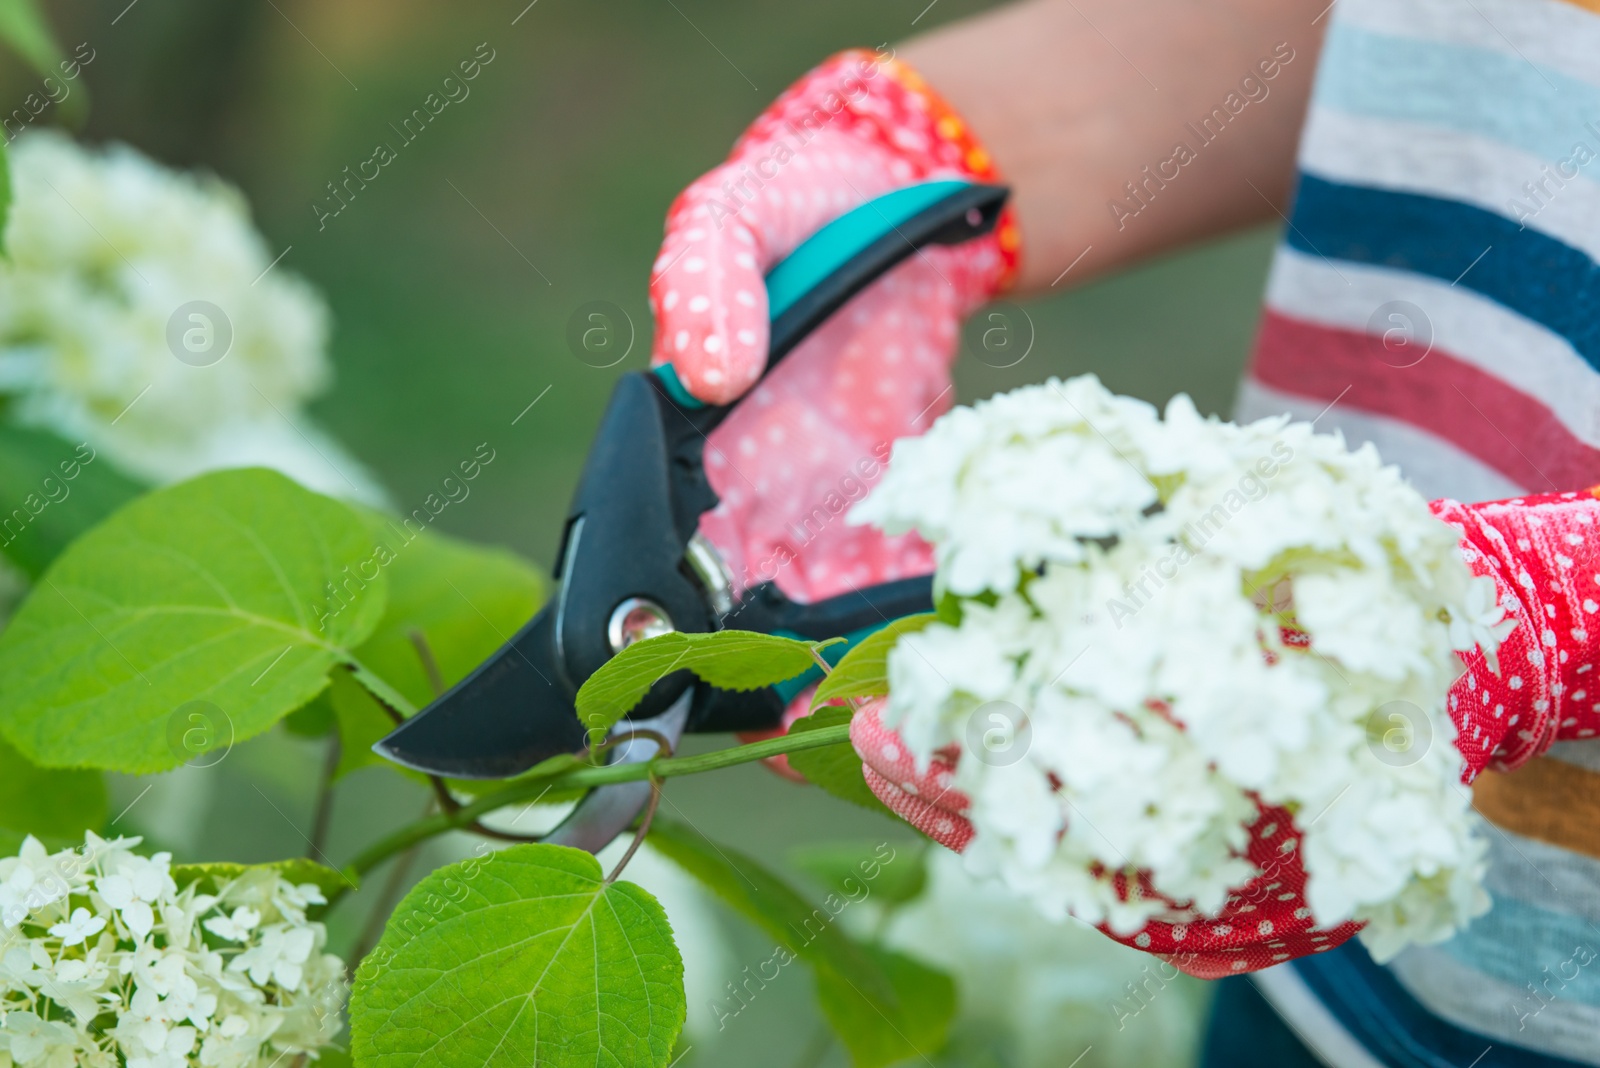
(1544, 555)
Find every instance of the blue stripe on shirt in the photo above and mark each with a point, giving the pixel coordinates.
(1476, 91)
(1533, 274)
(1379, 1014)
(1519, 943)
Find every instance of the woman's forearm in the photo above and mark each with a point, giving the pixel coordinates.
(1128, 127)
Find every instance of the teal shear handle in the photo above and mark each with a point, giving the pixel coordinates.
(855, 250)
(813, 282)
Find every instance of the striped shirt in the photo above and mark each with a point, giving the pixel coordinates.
(1437, 293)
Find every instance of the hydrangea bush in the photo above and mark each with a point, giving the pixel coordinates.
(108, 254)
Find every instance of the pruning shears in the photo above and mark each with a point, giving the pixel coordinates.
(632, 564)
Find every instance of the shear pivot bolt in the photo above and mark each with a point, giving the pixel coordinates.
(634, 620)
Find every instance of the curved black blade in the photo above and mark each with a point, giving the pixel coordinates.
(513, 711)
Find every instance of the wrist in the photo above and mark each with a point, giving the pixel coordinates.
(1543, 554)
(877, 125)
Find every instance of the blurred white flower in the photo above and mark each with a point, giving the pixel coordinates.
(1197, 620)
(1037, 993)
(120, 937)
(1482, 622)
(105, 250)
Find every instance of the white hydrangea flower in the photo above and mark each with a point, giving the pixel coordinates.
(235, 979)
(1034, 993)
(1195, 620)
(77, 928)
(103, 249)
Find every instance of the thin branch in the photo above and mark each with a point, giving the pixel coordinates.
(324, 813)
(430, 666)
(588, 776)
(478, 827)
(644, 829)
(664, 745)
(447, 801)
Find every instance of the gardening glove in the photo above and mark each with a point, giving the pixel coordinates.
(812, 439)
(809, 441)
(1543, 553)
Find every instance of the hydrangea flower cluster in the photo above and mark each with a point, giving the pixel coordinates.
(107, 252)
(1186, 622)
(105, 961)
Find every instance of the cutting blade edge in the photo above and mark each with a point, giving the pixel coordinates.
(512, 712)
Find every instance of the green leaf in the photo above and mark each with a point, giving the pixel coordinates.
(297, 870)
(55, 490)
(27, 34)
(314, 720)
(56, 805)
(928, 1000)
(832, 863)
(864, 670)
(524, 957)
(864, 992)
(362, 721)
(217, 593)
(835, 768)
(727, 659)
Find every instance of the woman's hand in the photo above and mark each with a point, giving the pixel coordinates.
(808, 441)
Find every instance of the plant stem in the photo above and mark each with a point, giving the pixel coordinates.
(324, 813)
(590, 776)
(430, 666)
(639, 835)
(372, 930)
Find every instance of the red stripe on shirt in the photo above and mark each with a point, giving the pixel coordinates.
(1442, 395)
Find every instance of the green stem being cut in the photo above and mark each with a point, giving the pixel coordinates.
(588, 776)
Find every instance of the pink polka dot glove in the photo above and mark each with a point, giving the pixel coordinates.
(808, 441)
(1544, 556)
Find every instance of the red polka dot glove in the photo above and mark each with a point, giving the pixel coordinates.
(1544, 556)
(812, 438)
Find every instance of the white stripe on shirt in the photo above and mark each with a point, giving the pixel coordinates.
(1476, 1002)
(1436, 468)
(1463, 324)
(1305, 1014)
(1435, 161)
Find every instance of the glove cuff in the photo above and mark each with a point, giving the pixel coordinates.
(1543, 553)
(892, 113)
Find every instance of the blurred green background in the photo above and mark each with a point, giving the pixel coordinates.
(452, 277)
